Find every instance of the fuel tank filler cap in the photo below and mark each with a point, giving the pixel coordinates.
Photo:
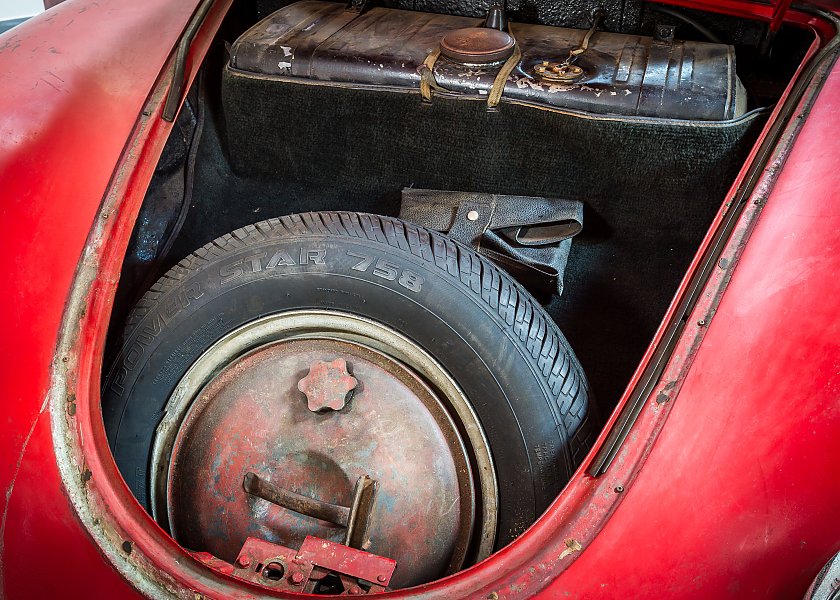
(477, 45)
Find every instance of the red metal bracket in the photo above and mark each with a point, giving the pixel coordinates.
(318, 564)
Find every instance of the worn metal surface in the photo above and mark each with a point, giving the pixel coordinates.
(73, 92)
(272, 565)
(477, 45)
(358, 521)
(62, 493)
(308, 568)
(327, 384)
(253, 418)
(376, 570)
(620, 74)
(557, 71)
(565, 70)
(354, 517)
(319, 324)
(304, 505)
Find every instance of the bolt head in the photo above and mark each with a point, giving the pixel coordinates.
(472, 215)
(354, 590)
(381, 579)
(327, 385)
(297, 578)
(244, 561)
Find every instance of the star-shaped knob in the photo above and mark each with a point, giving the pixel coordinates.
(327, 385)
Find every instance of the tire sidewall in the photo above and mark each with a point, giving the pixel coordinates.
(423, 300)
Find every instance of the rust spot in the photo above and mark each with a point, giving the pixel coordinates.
(572, 546)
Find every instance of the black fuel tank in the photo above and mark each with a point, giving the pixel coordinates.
(621, 74)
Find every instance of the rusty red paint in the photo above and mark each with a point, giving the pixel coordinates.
(263, 558)
(327, 385)
(36, 514)
(252, 418)
(217, 564)
(279, 568)
(348, 561)
(297, 578)
(87, 99)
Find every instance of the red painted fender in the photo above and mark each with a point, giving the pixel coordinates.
(724, 488)
(73, 81)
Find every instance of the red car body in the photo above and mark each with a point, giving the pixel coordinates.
(725, 486)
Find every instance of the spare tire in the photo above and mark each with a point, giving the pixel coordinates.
(505, 354)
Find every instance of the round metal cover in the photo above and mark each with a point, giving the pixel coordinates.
(477, 45)
(377, 418)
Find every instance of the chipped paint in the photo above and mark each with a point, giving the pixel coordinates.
(572, 546)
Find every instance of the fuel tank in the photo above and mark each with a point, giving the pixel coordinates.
(602, 73)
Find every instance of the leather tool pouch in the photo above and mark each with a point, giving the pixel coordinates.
(528, 237)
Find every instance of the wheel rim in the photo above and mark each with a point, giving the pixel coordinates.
(442, 423)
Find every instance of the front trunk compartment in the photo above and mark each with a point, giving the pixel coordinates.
(253, 143)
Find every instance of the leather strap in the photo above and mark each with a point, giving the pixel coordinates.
(427, 75)
(498, 88)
